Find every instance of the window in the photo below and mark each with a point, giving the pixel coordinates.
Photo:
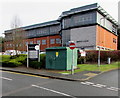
(43, 42)
(38, 41)
(114, 29)
(114, 40)
(26, 43)
(16, 45)
(52, 41)
(58, 41)
(10, 45)
(20, 45)
(31, 42)
(7, 45)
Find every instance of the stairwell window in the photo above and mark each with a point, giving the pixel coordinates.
(114, 40)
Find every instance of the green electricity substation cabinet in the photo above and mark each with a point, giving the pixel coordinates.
(60, 58)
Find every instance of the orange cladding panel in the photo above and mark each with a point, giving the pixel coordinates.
(105, 38)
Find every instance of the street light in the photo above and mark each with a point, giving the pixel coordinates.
(99, 44)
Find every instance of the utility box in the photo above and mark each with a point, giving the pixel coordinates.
(60, 58)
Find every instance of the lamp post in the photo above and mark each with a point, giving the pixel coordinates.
(99, 44)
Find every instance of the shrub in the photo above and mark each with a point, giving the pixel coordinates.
(92, 56)
(81, 60)
(21, 58)
(5, 58)
(12, 61)
(42, 60)
(36, 64)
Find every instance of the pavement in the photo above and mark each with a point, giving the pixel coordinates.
(80, 76)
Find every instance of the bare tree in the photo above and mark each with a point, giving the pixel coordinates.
(18, 34)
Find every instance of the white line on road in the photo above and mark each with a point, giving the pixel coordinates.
(99, 85)
(6, 78)
(53, 91)
(87, 83)
(113, 88)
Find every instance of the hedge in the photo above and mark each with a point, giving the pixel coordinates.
(36, 64)
(14, 61)
(92, 56)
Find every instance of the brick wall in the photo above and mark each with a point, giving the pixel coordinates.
(9, 44)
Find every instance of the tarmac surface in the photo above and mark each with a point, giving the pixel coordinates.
(80, 76)
(17, 83)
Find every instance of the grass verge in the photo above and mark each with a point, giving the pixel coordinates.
(94, 67)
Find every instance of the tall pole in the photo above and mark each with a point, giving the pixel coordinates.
(39, 54)
(72, 67)
(27, 57)
(99, 45)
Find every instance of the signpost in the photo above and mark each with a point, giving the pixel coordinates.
(33, 53)
(72, 47)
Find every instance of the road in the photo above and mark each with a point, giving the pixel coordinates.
(16, 84)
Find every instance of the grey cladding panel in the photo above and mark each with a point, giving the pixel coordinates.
(65, 37)
(84, 36)
(43, 31)
(80, 19)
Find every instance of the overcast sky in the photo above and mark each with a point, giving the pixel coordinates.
(38, 11)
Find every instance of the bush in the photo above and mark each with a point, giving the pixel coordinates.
(21, 58)
(4, 58)
(92, 56)
(36, 64)
(42, 60)
(12, 61)
(81, 60)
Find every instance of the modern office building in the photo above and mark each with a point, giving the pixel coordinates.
(90, 27)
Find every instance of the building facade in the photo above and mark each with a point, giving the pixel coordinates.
(90, 27)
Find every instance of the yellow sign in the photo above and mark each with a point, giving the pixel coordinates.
(57, 53)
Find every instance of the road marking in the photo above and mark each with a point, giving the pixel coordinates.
(87, 83)
(52, 91)
(113, 88)
(26, 74)
(6, 78)
(99, 85)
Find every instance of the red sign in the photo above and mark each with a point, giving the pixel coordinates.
(72, 46)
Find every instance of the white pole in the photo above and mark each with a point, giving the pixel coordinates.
(99, 43)
(27, 57)
(72, 67)
(39, 54)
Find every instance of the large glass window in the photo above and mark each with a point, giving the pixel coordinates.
(58, 41)
(10, 45)
(31, 42)
(38, 41)
(26, 43)
(52, 41)
(43, 42)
